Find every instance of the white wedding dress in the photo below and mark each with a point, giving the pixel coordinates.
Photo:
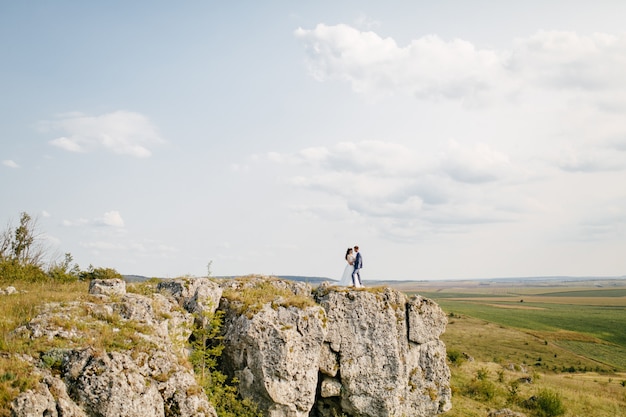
(346, 278)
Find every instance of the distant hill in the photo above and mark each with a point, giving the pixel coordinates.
(406, 284)
(309, 280)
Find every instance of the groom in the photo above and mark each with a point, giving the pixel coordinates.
(358, 264)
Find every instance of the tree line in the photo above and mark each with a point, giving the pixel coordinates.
(24, 256)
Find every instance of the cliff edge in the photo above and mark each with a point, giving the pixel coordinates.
(296, 351)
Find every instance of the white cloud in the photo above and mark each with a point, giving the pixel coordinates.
(567, 60)
(432, 68)
(428, 67)
(591, 159)
(121, 132)
(477, 165)
(111, 218)
(10, 163)
(395, 187)
(75, 223)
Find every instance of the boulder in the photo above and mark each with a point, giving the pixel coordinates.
(198, 296)
(108, 287)
(505, 412)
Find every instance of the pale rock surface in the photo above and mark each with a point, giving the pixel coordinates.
(373, 353)
(93, 382)
(107, 287)
(505, 412)
(385, 368)
(330, 387)
(275, 355)
(35, 402)
(366, 353)
(198, 296)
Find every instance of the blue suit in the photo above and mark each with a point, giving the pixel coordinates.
(356, 275)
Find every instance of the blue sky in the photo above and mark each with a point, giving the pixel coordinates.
(447, 140)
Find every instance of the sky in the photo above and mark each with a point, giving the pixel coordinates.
(449, 139)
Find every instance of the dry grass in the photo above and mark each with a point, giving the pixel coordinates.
(252, 294)
(80, 324)
(507, 355)
(18, 309)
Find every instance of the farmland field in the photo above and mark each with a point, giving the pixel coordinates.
(568, 337)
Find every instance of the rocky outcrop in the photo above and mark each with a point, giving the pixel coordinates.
(274, 352)
(387, 354)
(146, 377)
(295, 351)
(357, 352)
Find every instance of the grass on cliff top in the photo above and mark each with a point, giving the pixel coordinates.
(251, 294)
(16, 375)
(106, 332)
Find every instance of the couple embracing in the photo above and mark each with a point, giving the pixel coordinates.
(352, 272)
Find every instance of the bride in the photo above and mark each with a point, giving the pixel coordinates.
(346, 278)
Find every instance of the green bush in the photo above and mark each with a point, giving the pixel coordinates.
(455, 357)
(64, 271)
(99, 273)
(546, 403)
(12, 271)
(482, 390)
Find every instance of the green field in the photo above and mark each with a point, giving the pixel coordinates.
(567, 319)
(569, 339)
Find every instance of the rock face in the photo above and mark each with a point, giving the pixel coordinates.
(321, 353)
(275, 353)
(148, 379)
(389, 359)
(356, 352)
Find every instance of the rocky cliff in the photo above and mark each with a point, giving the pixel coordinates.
(296, 351)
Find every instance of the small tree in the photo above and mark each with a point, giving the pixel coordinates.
(207, 348)
(21, 255)
(21, 244)
(64, 271)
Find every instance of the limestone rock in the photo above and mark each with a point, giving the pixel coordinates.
(370, 361)
(196, 295)
(426, 320)
(358, 352)
(329, 361)
(37, 402)
(382, 371)
(275, 355)
(107, 287)
(505, 412)
(149, 380)
(330, 387)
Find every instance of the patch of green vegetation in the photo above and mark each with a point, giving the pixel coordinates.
(223, 394)
(609, 292)
(603, 323)
(147, 287)
(16, 376)
(446, 295)
(254, 294)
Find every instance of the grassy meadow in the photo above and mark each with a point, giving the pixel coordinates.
(507, 342)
